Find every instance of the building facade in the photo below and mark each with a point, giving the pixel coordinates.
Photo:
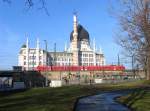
(79, 53)
(30, 58)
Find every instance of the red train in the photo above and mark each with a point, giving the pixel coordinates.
(81, 68)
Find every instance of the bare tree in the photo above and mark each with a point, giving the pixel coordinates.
(32, 3)
(134, 20)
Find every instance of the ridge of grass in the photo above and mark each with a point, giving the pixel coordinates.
(139, 99)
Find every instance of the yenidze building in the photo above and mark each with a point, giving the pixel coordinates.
(79, 53)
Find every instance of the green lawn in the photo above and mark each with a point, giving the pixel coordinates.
(56, 99)
(139, 100)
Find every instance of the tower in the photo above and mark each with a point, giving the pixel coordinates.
(75, 42)
(65, 47)
(94, 50)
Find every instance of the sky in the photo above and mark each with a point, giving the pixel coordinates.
(17, 22)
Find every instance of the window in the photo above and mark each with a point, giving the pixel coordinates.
(33, 57)
(65, 59)
(24, 57)
(30, 63)
(86, 60)
(91, 64)
(21, 52)
(24, 63)
(86, 55)
(91, 59)
(90, 55)
(33, 63)
(102, 62)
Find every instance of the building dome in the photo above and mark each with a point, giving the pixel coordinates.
(82, 34)
(23, 46)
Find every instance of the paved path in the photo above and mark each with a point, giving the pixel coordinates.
(101, 102)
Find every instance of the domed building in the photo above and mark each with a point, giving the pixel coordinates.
(79, 53)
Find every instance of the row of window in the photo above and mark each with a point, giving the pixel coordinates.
(62, 59)
(90, 64)
(87, 64)
(63, 64)
(86, 55)
(62, 54)
(69, 59)
(33, 63)
(86, 59)
(31, 52)
(32, 57)
(83, 63)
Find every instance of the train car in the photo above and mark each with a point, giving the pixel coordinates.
(81, 68)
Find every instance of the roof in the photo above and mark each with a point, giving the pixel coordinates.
(82, 34)
(23, 46)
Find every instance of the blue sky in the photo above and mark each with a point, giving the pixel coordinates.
(17, 22)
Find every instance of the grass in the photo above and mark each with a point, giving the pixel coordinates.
(56, 99)
(138, 100)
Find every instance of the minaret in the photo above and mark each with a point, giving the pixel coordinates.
(94, 45)
(37, 43)
(75, 41)
(100, 50)
(37, 52)
(65, 47)
(27, 54)
(75, 25)
(94, 52)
